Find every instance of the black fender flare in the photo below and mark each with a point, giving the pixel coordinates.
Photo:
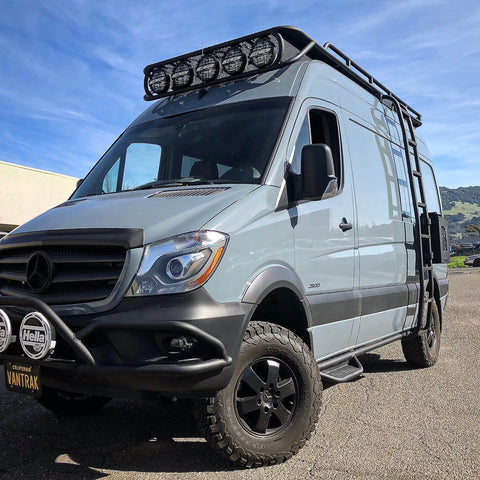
(273, 278)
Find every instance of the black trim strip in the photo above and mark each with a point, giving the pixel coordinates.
(122, 237)
(334, 307)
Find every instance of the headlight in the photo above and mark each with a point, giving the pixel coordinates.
(178, 264)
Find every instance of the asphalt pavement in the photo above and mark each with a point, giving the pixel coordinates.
(394, 422)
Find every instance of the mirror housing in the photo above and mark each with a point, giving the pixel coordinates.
(317, 178)
(79, 182)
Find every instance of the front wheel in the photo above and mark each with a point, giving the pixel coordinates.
(422, 349)
(68, 403)
(270, 407)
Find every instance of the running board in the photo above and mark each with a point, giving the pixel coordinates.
(343, 371)
(346, 367)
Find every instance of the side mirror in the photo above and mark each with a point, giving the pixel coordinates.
(318, 178)
(79, 182)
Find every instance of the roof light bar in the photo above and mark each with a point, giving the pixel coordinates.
(256, 53)
(224, 62)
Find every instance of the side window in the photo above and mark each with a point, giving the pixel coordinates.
(319, 127)
(111, 178)
(142, 164)
(401, 170)
(430, 188)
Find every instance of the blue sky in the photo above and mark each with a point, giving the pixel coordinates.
(71, 70)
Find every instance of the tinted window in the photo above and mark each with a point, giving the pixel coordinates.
(319, 127)
(430, 188)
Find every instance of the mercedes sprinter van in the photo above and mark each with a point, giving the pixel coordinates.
(269, 218)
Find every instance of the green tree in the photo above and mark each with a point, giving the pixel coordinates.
(472, 229)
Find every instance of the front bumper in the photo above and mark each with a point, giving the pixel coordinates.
(127, 351)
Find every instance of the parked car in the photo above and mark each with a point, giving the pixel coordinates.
(472, 260)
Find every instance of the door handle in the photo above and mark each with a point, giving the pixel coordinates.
(344, 225)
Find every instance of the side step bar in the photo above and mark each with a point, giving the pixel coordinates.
(343, 372)
(346, 367)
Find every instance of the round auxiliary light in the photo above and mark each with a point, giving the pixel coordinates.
(37, 337)
(182, 75)
(208, 68)
(234, 61)
(159, 81)
(263, 53)
(5, 331)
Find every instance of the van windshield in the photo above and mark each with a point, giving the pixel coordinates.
(224, 144)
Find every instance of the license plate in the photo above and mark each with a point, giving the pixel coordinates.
(22, 378)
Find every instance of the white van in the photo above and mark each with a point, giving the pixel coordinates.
(269, 218)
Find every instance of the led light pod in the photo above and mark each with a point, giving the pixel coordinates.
(159, 81)
(234, 61)
(263, 53)
(207, 68)
(182, 75)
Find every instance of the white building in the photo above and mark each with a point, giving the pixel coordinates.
(26, 192)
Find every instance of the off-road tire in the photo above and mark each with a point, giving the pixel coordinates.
(275, 374)
(68, 403)
(422, 349)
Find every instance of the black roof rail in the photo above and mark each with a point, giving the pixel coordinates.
(290, 44)
(334, 57)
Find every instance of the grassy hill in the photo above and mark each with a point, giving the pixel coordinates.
(461, 207)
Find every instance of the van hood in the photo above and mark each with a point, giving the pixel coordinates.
(160, 213)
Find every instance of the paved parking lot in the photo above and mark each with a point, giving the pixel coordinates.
(392, 423)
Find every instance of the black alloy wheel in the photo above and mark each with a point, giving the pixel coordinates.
(266, 396)
(270, 408)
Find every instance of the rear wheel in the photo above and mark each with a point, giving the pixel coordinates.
(476, 262)
(68, 403)
(422, 349)
(270, 407)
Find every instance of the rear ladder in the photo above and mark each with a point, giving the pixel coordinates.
(423, 235)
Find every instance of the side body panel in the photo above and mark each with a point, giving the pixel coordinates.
(324, 254)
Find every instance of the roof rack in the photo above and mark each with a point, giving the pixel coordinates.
(334, 57)
(288, 44)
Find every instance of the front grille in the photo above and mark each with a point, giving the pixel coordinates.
(79, 273)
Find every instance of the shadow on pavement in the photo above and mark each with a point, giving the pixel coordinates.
(373, 363)
(124, 436)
